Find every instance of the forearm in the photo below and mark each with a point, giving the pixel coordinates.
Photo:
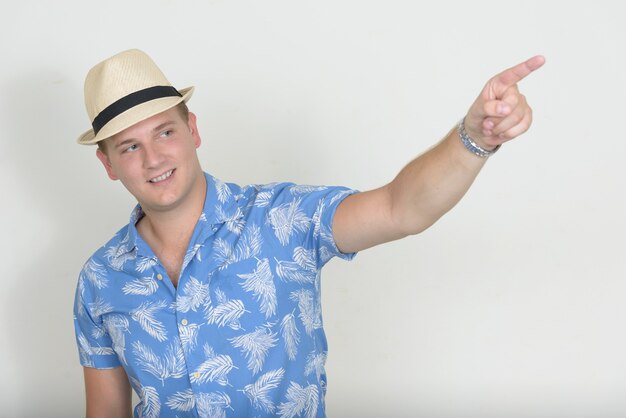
(432, 184)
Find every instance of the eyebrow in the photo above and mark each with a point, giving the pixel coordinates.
(155, 130)
(163, 125)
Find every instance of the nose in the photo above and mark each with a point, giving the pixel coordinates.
(152, 156)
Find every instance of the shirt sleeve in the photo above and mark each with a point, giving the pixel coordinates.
(95, 347)
(319, 205)
(323, 222)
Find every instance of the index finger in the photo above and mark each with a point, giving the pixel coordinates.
(514, 75)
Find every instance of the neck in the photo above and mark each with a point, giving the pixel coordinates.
(168, 232)
(165, 224)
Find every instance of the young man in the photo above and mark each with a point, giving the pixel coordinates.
(207, 302)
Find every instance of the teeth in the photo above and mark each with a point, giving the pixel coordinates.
(161, 177)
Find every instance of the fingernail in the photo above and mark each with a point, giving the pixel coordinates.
(503, 109)
(489, 124)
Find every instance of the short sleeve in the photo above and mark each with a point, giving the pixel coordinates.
(95, 346)
(323, 224)
(315, 205)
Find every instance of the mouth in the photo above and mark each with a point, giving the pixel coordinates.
(162, 177)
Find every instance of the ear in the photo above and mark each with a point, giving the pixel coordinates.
(104, 159)
(193, 127)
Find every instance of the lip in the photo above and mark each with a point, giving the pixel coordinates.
(162, 178)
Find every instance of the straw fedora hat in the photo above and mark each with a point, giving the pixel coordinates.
(123, 90)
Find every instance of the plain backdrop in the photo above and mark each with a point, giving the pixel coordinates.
(511, 306)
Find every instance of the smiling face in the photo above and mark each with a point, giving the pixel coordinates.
(156, 161)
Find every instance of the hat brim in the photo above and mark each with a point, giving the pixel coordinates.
(134, 115)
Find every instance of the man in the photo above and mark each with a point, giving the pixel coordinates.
(207, 302)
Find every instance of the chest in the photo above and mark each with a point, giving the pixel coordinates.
(169, 253)
(226, 325)
(172, 261)
(245, 309)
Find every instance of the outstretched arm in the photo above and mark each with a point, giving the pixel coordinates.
(434, 182)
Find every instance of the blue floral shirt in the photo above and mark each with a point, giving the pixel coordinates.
(241, 335)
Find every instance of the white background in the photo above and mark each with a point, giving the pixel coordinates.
(511, 306)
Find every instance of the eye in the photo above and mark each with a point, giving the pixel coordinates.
(166, 134)
(131, 148)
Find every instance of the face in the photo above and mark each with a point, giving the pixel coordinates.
(156, 161)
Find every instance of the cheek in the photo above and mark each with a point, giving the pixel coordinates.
(127, 170)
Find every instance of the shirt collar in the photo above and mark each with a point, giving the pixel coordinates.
(221, 205)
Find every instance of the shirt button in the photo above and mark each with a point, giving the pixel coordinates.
(160, 276)
(196, 375)
(184, 322)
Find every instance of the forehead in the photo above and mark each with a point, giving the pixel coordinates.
(147, 126)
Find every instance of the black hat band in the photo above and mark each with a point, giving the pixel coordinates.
(122, 105)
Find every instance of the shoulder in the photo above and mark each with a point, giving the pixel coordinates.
(274, 195)
(120, 243)
(105, 258)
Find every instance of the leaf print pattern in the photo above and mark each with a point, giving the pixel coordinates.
(212, 405)
(261, 283)
(223, 252)
(79, 302)
(189, 337)
(327, 251)
(226, 313)
(258, 392)
(102, 351)
(223, 191)
(235, 222)
(248, 246)
(145, 263)
(302, 270)
(291, 335)
(144, 314)
(149, 402)
(338, 196)
(301, 401)
(286, 219)
(305, 258)
(240, 335)
(327, 241)
(100, 307)
(255, 346)
(193, 252)
(171, 365)
(144, 286)
(194, 295)
(325, 255)
(315, 363)
(119, 254)
(304, 189)
(310, 311)
(116, 326)
(214, 369)
(150, 406)
(95, 273)
(263, 199)
(292, 271)
(86, 351)
(181, 401)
